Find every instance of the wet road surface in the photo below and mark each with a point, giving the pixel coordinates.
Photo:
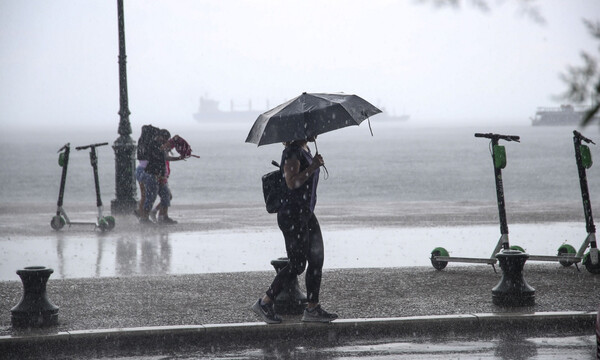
(563, 348)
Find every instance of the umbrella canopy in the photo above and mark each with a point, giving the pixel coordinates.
(309, 115)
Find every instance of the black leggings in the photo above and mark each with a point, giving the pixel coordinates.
(303, 243)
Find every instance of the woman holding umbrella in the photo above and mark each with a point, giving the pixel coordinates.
(301, 231)
(303, 117)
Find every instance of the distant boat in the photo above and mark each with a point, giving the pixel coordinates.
(559, 116)
(208, 111)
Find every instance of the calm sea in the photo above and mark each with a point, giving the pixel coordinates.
(399, 163)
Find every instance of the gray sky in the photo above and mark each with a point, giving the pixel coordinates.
(58, 60)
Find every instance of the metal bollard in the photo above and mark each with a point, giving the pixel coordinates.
(34, 309)
(291, 300)
(512, 290)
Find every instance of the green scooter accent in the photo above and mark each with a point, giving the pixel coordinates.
(517, 247)
(439, 251)
(566, 249)
(499, 153)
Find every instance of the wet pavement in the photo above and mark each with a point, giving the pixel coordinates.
(195, 247)
(170, 253)
(191, 313)
(526, 348)
(174, 292)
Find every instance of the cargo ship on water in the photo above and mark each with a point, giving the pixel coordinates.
(208, 111)
(560, 116)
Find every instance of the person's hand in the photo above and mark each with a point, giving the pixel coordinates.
(318, 160)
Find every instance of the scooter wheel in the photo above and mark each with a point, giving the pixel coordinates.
(106, 223)
(594, 269)
(565, 249)
(110, 221)
(439, 251)
(102, 224)
(57, 222)
(517, 247)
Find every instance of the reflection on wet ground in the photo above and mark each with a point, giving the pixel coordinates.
(93, 254)
(567, 347)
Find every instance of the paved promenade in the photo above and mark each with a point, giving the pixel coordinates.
(117, 315)
(101, 316)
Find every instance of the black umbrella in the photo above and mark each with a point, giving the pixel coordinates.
(309, 115)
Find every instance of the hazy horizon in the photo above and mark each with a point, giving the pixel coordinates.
(439, 65)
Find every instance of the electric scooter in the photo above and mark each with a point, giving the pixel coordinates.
(104, 223)
(566, 253)
(440, 256)
(58, 221)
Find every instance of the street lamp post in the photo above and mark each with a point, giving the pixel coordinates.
(124, 146)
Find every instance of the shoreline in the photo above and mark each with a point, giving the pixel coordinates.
(22, 219)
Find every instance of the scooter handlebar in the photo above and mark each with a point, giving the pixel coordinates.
(499, 137)
(578, 135)
(90, 145)
(65, 146)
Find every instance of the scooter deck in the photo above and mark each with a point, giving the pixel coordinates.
(573, 259)
(82, 223)
(466, 260)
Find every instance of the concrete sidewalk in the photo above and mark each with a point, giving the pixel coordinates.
(113, 314)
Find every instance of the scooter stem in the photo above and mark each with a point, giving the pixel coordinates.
(499, 186)
(94, 163)
(500, 199)
(585, 193)
(585, 196)
(63, 177)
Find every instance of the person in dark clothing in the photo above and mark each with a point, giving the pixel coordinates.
(155, 169)
(301, 231)
(160, 214)
(146, 139)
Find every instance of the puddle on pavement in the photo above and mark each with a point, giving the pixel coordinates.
(567, 347)
(152, 253)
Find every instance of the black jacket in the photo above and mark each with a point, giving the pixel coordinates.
(299, 200)
(156, 160)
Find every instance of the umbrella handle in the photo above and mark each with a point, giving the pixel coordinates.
(326, 173)
(316, 152)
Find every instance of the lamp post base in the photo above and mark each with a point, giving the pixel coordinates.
(291, 300)
(121, 207)
(125, 202)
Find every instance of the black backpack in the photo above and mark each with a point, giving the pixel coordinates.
(149, 132)
(273, 189)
